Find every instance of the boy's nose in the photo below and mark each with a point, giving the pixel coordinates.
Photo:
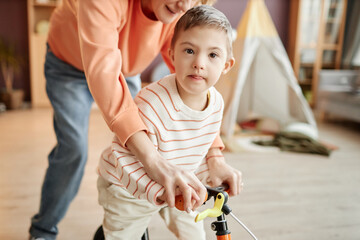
(198, 64)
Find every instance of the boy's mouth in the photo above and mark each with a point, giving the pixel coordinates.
(196, 77)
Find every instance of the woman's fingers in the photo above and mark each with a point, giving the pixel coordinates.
(169, 194)
(187, 196)
(193, 191)
(199, 193)
(186, 184)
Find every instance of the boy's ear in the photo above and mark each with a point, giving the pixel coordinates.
(228, 65)
(171, 55)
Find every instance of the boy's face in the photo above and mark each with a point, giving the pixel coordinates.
(200, 57)
(165, 11)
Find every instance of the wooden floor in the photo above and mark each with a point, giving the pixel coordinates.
(287, 196)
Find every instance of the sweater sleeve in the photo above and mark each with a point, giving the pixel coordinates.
(218, 143)
(98, 23)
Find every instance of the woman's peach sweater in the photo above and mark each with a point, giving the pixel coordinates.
(110, 40)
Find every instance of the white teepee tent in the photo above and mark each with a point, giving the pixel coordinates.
(262, 82)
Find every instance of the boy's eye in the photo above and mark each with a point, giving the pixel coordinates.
(213, 55)
(189, 51)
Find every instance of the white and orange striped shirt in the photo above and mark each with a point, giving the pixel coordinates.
(182, 135)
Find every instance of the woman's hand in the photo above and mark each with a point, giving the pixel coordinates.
(175, 180)
(220, 172)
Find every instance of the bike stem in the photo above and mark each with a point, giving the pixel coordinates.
(221, 228)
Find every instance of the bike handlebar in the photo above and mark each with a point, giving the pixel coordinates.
(211, 192)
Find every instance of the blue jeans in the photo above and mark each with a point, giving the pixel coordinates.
(71, 100)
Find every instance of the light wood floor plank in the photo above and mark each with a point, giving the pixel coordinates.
(287, 196)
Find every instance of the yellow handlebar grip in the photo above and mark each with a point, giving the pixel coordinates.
(213, 212)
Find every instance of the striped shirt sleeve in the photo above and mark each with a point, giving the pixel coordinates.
(119, 166)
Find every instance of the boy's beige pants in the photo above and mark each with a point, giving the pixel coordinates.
(127, 218)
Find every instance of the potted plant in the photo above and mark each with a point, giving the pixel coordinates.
(10, 65)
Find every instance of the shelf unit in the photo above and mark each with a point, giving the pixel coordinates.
(39, 11)
(316, 31)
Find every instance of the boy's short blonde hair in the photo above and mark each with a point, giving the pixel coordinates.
(204, 16)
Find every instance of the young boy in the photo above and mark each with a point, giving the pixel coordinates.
(183, 113)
